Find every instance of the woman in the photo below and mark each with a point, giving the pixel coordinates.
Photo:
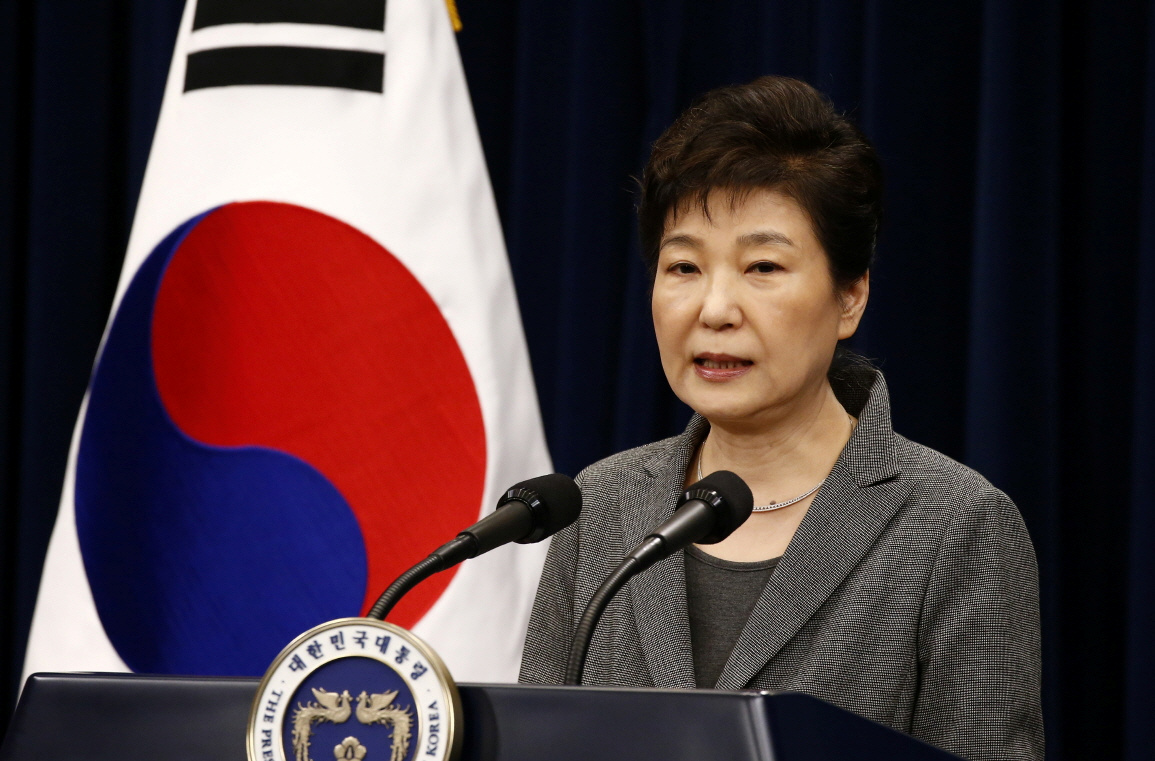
(876, 574)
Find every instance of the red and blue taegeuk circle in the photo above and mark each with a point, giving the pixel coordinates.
(280, 422)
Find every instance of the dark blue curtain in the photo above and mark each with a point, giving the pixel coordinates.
(1012, 309)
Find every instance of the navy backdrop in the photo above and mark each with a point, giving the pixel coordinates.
(1012, 309)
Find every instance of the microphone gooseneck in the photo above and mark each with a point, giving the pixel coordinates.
(528, 512)
(707, 512)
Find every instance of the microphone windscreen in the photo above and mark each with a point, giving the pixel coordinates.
(554, 499)
(731, 499)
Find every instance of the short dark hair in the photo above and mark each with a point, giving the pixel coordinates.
(775, 133)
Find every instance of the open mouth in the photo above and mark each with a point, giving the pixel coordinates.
(718, 368)
(720, 362)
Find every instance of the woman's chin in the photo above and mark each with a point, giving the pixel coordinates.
(748, 411)
(728, 413)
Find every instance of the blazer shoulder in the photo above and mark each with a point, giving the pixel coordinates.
(630, 461)
(953, 490)
(935, 469)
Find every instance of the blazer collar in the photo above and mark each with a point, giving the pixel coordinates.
(659, 593)
(848, 514)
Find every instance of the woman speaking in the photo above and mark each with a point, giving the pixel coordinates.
(875, 573)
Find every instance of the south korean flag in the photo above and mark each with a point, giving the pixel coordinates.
(314, 371)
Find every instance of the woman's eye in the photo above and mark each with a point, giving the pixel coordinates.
(763, 268)
(683, 268)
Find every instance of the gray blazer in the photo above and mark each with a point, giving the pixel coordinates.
(909, 594)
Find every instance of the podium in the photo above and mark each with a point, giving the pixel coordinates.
(119, 717)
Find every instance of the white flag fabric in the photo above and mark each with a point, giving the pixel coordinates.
(314, 372)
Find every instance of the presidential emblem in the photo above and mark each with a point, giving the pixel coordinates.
(355, 689)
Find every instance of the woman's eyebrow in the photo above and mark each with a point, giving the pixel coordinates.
(764, 238)
(686, 240)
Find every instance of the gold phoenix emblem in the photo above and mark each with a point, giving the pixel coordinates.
(335, 708)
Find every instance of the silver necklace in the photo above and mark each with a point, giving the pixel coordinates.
(772, 505)
(789, 502)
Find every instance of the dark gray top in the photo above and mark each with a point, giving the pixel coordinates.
(908, 595)
(720, 595)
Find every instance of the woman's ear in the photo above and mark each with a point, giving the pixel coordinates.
(853, 302)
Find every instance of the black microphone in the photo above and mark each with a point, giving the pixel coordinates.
(708, 512)
(528, 512)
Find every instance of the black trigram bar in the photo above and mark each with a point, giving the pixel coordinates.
(311, 67)
(359, 14)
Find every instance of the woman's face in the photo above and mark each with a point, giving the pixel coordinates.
(745, 310)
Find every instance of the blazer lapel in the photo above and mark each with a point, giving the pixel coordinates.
(848, 514)
(659, 593)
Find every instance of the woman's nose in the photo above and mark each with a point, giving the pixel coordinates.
(720, 308)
